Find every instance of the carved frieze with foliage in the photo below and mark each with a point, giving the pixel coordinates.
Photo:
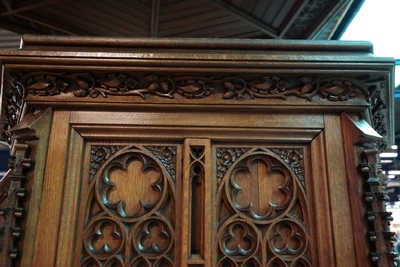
(259, 86)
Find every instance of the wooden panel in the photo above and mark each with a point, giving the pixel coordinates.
(42, 132)
(356, 185)
(228, 120)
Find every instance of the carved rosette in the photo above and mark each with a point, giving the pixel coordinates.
(130, 211)
(226, 157)
(262, 217)
(167, 156)
(99, 155)
(294, 159)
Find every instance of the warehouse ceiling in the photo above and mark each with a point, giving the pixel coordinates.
(261, 19)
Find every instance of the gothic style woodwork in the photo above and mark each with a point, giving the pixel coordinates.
(199, 154)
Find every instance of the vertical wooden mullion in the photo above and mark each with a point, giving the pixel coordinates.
(320, 213)
(203, 258)
(342, 232)
(70, 205)
(52, 191)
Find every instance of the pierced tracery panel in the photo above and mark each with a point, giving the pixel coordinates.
(262, 212)
(130, 209)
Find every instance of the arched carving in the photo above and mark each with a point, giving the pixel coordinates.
(261, 186)
(130, 207)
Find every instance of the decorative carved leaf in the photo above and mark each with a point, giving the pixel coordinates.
(41, 84)
(112, 81)
(264, 85)
(335, 90)
(306, 88)
(190, 89)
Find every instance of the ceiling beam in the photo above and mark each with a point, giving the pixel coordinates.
(27, 6)
(44, 24)
(261, 26)
(294, 13)
(155, 15)
(8, 4)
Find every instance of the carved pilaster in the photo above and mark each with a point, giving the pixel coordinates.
(11, 229)
(382, 239)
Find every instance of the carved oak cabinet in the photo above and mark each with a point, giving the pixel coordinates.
(195, 152)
